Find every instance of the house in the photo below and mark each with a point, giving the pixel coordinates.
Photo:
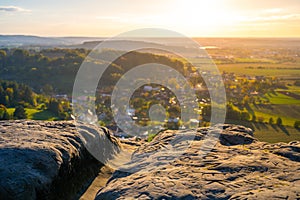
(148, 88)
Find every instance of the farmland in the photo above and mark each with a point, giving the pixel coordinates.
(261, 81)
(283, 102)
(285, 71)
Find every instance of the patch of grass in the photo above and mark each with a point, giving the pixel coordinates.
(30, 112)
(36, 114)
(271, 133)
(150, 137)
(262, 69)
(11, 111)
(43, 115)
(285, 120)
(279, 98)
(253, 60)
(293, 89)
(288, 113)
(274, 134)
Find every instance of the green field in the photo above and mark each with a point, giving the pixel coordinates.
(294, 89)
(262, 69)
(36, 114)
(271, 133)
(285, 107)
(280, 105)
(288, 121)
(279, 98)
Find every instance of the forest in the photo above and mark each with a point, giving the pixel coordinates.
(260, 90)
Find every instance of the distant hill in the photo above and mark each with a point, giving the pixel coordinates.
(26, 41)
(36, 41)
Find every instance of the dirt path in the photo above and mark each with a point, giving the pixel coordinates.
(97, 184)
(106, 172)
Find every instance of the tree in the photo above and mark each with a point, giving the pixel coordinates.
(245, 116)
(279, 121)
(2, 54)
(28, 96)
(2, 95)
(10, 96)
(297, 83)
(174, 111)
(232, 113)
(48, 90)
(2, 58)
(55, 106)
(4, 115)
(271, 121)
(297, 124)
(19, 56)
(20, 112)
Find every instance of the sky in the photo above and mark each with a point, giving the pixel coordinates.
(194, 18)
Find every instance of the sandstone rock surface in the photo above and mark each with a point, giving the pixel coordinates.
(47, 160)
(237, 167)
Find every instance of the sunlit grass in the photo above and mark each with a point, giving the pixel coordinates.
(279, 98)
(288, 121)
(271, 133)
(262, 69)
(274, 134)
(36, 114)
(11, 111)
(294, 89)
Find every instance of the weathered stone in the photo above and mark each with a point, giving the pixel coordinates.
(237, 167)
(47, 160)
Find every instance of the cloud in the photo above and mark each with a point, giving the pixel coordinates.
(108, 18)
(277, 17)
(273, 10)
(132, 19)
(13, 9)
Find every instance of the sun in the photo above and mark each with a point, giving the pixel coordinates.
(199, 15)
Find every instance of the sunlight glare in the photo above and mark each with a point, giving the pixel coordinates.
(207, 16)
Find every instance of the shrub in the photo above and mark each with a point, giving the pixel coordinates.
(151, 137)
(297, 124)
(271, 121)
(279, 121)
(20, 112)
(253, 118)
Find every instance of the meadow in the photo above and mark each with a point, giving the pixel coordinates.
(284, 103)
(36, 114)
(271, 133)
(285, 71)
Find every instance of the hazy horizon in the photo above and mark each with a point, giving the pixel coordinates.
(216, 18)
(194, 37)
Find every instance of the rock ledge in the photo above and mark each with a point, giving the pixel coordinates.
(45, 160)
(238, 167)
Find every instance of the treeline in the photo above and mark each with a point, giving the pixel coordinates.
(235, 115)
(58, 67)
(21, 96)
(13, 94)
(53, 71)
(55, 67)
(231, 113)
(132, 59)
